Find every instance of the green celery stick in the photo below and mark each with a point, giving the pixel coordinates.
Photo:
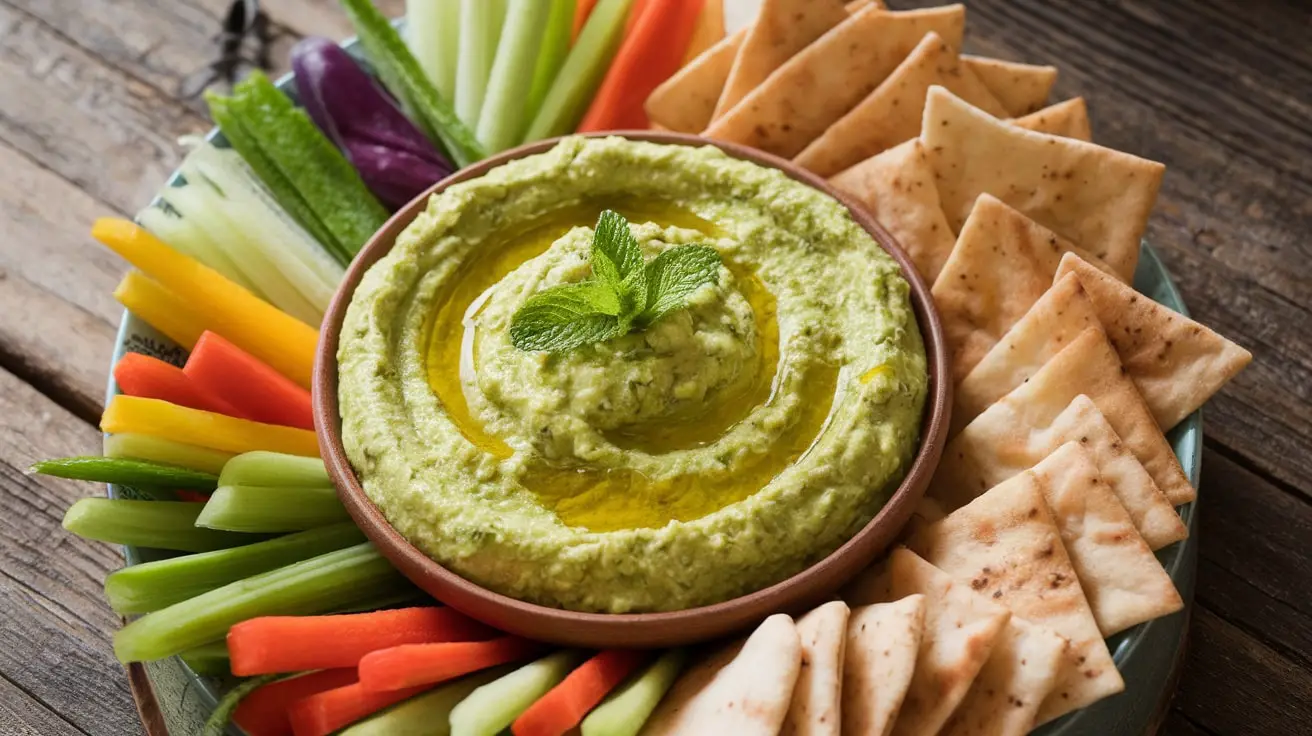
(571, 92)
(311, 586)
(428, 714)
(555, 46)
(432, 31)
(268, 509)
(217, 723)
(158, 524)
(327, 182)
(480, 30)
(209, 659)
(151, 586)
(246, 143)
(401, 74)
(140, 473)
(625, 711)
(502, 121)
(494, 706)
(168, 452)
(263, 468)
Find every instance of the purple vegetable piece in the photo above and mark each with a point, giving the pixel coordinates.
(394, 158)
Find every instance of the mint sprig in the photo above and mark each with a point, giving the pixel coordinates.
(624, 293)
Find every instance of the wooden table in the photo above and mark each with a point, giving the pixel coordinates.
(1220, 91)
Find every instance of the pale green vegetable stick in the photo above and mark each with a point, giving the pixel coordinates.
(271, 509)
(627, 709)
(432, 32)
(480, 29)
(158, 524)
(555, 46)
(160, 450)
(578, 79)
(263, 468)
(497, 704)
(428, 714)
(502, 121)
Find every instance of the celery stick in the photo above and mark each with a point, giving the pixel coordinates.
(263, 468)
(502, 121)
(555, 46)
(209, 659)
(160, 450)
(151, 586)
(497, 704)
(432, 30)
(401, 74)
(625, 711)
(217, 723)
(480, 29)
(184, 236)
(269, 509)
(127, 472)
(312, 586)
(158, 524)
(571, 92)
(427, 714)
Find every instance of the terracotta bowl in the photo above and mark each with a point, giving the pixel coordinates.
(598, 630)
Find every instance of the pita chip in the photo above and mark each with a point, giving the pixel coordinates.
(1176, 362)
(685, 101)
(1095, 197)
(1006, 546)
(816, 87)
(883, 640)
(897, 187)
(1021, 88)
(1069, 119)
(1010, 687)
(892, 113)
(1022, 429)
(816, 709)
(1001, 264)
(743, 690)
(960, 629)
(782, 28)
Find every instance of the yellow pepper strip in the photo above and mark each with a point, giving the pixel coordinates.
(160, 308)
(284, 342)
(133, 414)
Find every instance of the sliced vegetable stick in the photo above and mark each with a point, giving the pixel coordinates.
(582, 10)
(127, 472)
(186, 237)
(325, 712)
(625, 711)
(708, 32)
(582, 72)
(151, 378)
(565, 705)
(480, 30)
(252, 389)
(262, 468)
(555, 47)
(160, 308)
(409, 665)
(502, 119)
(427, 714)
(432, 32)
(161, 450)
(264, 711)
(158, 524)
(270, 510)
(203, 428)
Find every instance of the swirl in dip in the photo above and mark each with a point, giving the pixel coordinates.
(724, 448)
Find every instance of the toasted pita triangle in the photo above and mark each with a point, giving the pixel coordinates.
(826, 79)
(1069, 119)
(897, 187)
(1122, 580)
(1023, 428)
(891, 114)
(1012, 684)
(744, 689)
(1021, 88)
(782, 28)
(816, 708)
(708, 31)
(1176, 362)
(883, 640)
(960, 628)
(685, 101)
(1006, 546)
(1001, 264)
(1094, 196)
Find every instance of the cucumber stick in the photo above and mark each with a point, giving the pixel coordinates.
(555, 46)
(271, 509)
(625, 711)
(139, 473)
(496, 705)
(571, 92)
(160, 450)
(262, 468)
(157, 524)
(502, 120)
(432, 31)
(480, 30)
(428, 714)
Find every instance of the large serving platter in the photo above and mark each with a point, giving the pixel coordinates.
(175, 700)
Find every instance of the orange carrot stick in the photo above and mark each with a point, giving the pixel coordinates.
(635, 12)
(425, 664)
(565, 705)
(255, 389)
(264, 711)
(271, 644)
(152, 378)
(331, 710)
(648, 56)
(581, 12)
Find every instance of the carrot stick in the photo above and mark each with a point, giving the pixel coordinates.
(635, 12)
(253, 388)
(424, 664)
(160, 308)
(565, 705)
(581, 12)
(278, 339)
(293, 643)
(648, 56)
(206, 429)
(323, 713)
(264, 711)
(151, 378)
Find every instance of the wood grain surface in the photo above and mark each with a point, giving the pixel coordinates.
(1219, 90)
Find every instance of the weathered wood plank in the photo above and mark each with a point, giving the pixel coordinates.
(1177, 725)
(20, 715)
(319, 17)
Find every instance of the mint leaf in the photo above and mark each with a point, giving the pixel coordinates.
(616, 256)
(674, 275)
(567, 317)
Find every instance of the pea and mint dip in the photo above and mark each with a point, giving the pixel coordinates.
(719, 449)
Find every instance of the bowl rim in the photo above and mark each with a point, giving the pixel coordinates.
(804, 589)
